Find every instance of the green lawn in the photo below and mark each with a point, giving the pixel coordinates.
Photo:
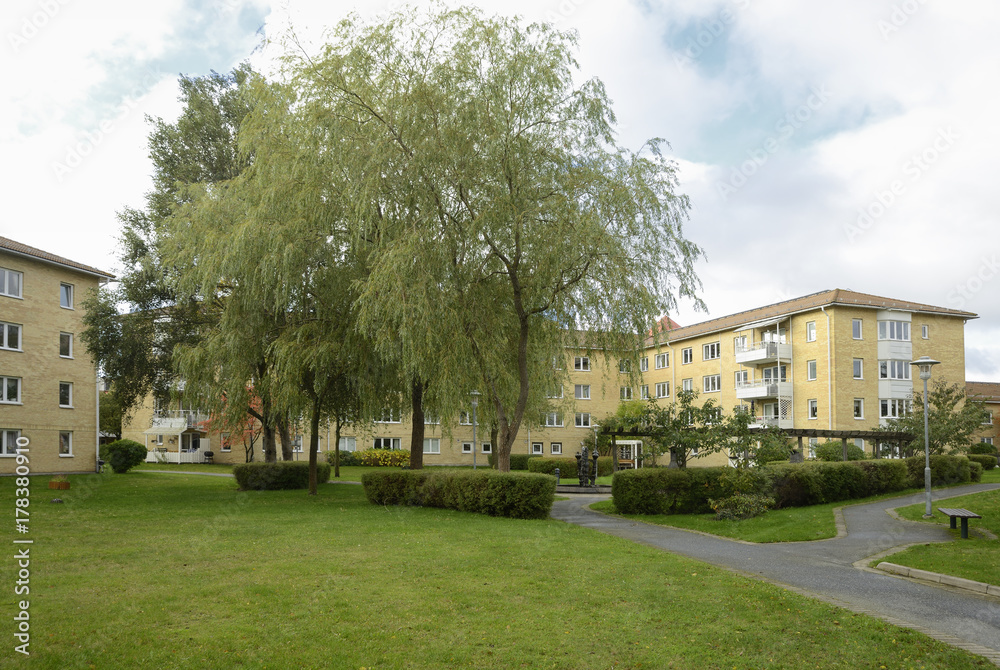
(175, 571)
(976, 558)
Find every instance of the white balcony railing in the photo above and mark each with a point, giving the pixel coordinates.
(192, 417)
(763, 352)
(763, 388)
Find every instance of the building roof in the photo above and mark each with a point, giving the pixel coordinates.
(988, 391)
(7, 244)
(755, 317)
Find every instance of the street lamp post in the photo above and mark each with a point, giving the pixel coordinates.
(475, 404)
(925, 363)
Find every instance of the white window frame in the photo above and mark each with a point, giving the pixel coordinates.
(69, 387)
(989, 418)
(8, 441)
(858, 368)
(986, 440)
(69, 338)
(894, 369)
(555, 448)
(644, 392)
(6, 279)
(624, 366)
(395, 443)
(432, 445)
(895, 331)
(893, 408)
(432, 420)
(711, 383)
(348, 443)
(225, 445)
(538, 448)
(389, 416)
(467, 447)
(811, 370)
(925, 332)
(625, 393)
(68, 434)
(465, 418)
(583, 420)
(581, 363)
(857, 329)
(487, 448)
(711, 351)
(812, 411)
(741, 377)
(556, 396)
(5, 329)
(65, 295)
(297, 444)
(687, 356)
(739, 344)
(644, 364)
(4, 385)
(663, 390)
(553, 420)
(859, 408)
(662, 360)
(581, 391)
(810, 331)
(687, 384)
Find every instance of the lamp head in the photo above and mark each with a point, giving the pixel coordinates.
(925, 363)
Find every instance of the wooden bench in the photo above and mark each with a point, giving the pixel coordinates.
(959, 513)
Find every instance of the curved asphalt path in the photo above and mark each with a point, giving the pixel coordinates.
(835, 570)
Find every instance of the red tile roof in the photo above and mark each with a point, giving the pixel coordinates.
(24, 250)
(988, 391)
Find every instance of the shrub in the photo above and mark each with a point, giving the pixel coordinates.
(667, 490)
(346, 458)
(385, 458)
(884, 476)
(796, 485)
(975, 472)
(983, 448)
(520, 461)
(745, 481)
(945, 470)
(741, 506)
(278, 476)
(515, 495)
(123, 455)
(986, 460)
(567, 466)
(834, 451)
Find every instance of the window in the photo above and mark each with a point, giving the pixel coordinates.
(224, 442)
(644, 392)
(711, 351)
(987, 440)
(687, 384)
(894, 330)
(859, 368)
(555, 394)
(66, 345)
(988, 418)
(859, 408)
(811, 331)
(297, 444)
(856, 328)
(432, 445)
(925, 332)
(773, 374)
(583, 420)
(625, 393)
(581, 363)
(464, 419)
(894, 369)
(687, 356)
(663, 390)
(662, 361)
(739, 343)
(553, 420)
(711, 383)
(487, 448)
(582, 392)
(65, 443)
(8, 441)
(893, 408)
(555, 448)
(10, 336)
(811, 371)
(431, 420)
(537, 448)
(159, 439)
(10, 389)
(742, 377)
(644, 364)
(10, 283)
(624, 367)
(467, 447)
(859, 442)
(813, 443)
(66, 296)
(386, 443)
(813, 409)
(388, 416)
(348, 444)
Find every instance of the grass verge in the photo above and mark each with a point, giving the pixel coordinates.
(184, 571)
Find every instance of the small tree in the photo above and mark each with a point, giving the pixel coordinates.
(954, 418)
(834, 451)
(123, 455)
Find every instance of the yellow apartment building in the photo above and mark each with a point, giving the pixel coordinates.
(48, 382)
(989, 393)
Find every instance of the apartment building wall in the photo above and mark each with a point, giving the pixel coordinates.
(56, 410)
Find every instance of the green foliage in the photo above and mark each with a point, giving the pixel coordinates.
(277, 476)
(741, 506)
(749, 481)
(884, 476)
(567, 467)
(946, 470)
(346, 458)
(518, 461)
(834, 451)
(385, 458)
(666, 490)
(987, 461)
(772, 448)
(954, 418)
(519, 496)
(123, 455)
(983, 448)
(975, 472)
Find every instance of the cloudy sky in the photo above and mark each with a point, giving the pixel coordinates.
(823, 145)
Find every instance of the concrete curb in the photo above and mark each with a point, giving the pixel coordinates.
(937, 578)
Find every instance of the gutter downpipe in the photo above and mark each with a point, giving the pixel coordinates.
(829, 377)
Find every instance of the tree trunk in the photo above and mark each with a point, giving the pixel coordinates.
(270, 448)
(494, 438)
(286, 439)
(417, 430)
(313, 447)
(336, 448)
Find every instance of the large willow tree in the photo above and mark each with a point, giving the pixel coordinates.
(503, 218)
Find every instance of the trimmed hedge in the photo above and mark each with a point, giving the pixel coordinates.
(983, 448)
(384, 458)
(278, 476)
(689, 491)
(988, 462)
(975, 472)
(123, 455)
(567, 466)
(346, 458)
(945, 470)
(518, 496)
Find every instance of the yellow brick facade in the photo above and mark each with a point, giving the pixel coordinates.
(56, 380)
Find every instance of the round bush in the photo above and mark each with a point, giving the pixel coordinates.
(834, 451)
(123, 455)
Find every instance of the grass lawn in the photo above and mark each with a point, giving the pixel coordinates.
(976, 558)
(182, 571)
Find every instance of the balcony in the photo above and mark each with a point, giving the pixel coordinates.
(768, 421)
(170, 417)
(763, 352)
(764, 388)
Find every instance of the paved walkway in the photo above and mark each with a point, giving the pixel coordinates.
(835, 570)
